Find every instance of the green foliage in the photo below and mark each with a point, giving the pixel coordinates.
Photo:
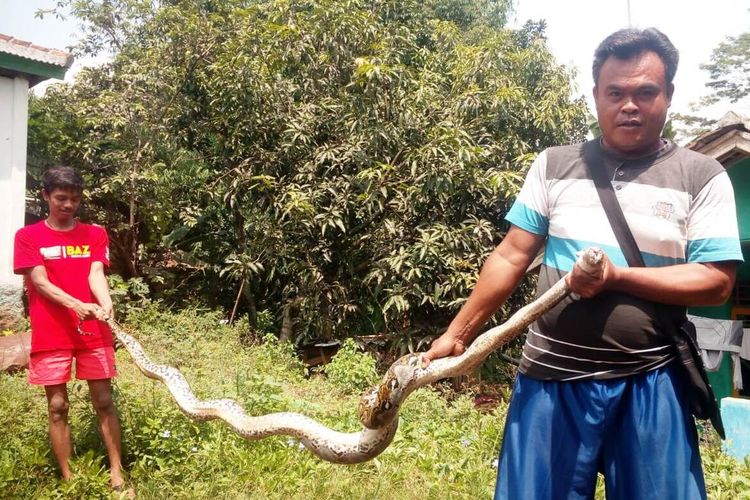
(729, 69)
(345, 165)
(729, 80)
(470, 13)
(159, 437)
(264, 322)
(179, 330)
(89, 481)
(352, 370)
(440, 446)
(279, 357)
(128, 296)
(728, 478)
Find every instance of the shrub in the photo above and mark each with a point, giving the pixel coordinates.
(128, 296)
(159, 436)
(274, 356)
(351, 370)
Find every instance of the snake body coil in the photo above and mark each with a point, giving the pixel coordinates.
(378, 408)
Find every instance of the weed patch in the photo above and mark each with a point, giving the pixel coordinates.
(443, 449)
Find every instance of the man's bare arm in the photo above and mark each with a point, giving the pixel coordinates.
(100, 288)
(500, 275)
(682, 284)
(40, 280)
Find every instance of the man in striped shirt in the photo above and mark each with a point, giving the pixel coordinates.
(597, 389)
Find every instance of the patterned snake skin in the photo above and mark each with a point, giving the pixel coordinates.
(378, 408)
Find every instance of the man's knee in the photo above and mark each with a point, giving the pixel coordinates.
(101, 396)
(103, 402)
(58, 409)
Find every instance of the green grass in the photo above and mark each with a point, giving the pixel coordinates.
(442, 449)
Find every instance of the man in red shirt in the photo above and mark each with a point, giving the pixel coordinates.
(63, 263)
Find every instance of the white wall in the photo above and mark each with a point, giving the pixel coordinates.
(13, 126)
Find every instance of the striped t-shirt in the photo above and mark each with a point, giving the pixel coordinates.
(679, 205)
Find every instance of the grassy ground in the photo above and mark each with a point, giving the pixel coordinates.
(442, 449)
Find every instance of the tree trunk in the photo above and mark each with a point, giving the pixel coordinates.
(120, 254)
(287, 321)
(133, 208)
(133, 254)
(252, 309)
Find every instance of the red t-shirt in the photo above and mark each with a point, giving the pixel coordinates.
(67, 256)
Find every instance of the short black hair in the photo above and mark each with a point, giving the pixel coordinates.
(62, 177)
(630, 42)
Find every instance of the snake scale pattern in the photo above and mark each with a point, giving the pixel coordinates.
(378, 408)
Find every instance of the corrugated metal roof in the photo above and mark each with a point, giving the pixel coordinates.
(27, 50)
(730, 121)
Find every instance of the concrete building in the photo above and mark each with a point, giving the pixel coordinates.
(729, 143)
(22, 65)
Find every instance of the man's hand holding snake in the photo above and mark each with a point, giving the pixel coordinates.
(588, 284)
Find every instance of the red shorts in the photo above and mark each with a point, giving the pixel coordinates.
(53, 367)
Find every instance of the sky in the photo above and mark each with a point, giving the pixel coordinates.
(574, 29)
(18, 19)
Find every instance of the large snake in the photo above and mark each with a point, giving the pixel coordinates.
(378, 408)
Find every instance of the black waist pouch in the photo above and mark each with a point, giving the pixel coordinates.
(703, 403)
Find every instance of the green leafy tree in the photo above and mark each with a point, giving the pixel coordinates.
(345, 164)
(729, 70)
(729, 80)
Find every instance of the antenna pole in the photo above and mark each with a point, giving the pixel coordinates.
(630, 24)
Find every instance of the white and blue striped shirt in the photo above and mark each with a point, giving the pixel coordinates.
(680, 207)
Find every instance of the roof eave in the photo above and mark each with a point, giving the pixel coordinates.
(34, 71)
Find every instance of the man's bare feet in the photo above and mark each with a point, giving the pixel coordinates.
(117, 478)
(124, 491)
(119, 484)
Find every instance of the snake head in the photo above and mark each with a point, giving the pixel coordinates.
(379, 405)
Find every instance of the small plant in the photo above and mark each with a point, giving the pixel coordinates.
(128, 296)
(161, 437)
(278, 357)
(352, 370)
(265, 321)
(90, 479)
(23, 325)
(8, 465)
(259, 393)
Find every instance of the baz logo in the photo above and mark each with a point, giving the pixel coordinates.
(77, 251)
(663, 209)
(66, 251)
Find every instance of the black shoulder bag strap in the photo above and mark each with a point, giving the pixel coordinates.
(702, 400)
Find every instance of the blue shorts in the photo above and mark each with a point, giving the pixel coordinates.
(635, 430)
